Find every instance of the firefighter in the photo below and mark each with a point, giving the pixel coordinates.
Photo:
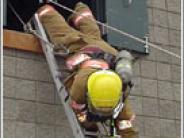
(101, 74)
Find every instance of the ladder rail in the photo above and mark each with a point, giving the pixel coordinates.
(54, 69)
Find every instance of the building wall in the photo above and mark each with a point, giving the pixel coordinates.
(31, 105)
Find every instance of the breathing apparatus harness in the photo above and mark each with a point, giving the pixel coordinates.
(92, 57)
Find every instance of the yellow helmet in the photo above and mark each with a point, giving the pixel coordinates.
(104, 89)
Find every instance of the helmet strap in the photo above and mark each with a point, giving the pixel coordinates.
(118, 108)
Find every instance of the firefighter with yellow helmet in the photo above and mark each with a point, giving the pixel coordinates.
(99, 84)
(104, 91)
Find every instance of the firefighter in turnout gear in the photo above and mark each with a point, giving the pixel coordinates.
(101, 75)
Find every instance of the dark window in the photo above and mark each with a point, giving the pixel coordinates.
(131, 18)
(26, 9)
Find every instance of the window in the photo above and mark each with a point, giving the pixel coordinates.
(26, 9)
(127, 15)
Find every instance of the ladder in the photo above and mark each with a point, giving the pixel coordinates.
(78, 131)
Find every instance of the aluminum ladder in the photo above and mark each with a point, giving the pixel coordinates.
(78, 131)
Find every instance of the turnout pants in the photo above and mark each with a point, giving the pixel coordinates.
(85, 33)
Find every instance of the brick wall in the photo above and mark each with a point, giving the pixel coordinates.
(32, 108)
(31, 105)
(158, 75)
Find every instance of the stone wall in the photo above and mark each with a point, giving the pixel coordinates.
(32, 109)
(158, 95)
